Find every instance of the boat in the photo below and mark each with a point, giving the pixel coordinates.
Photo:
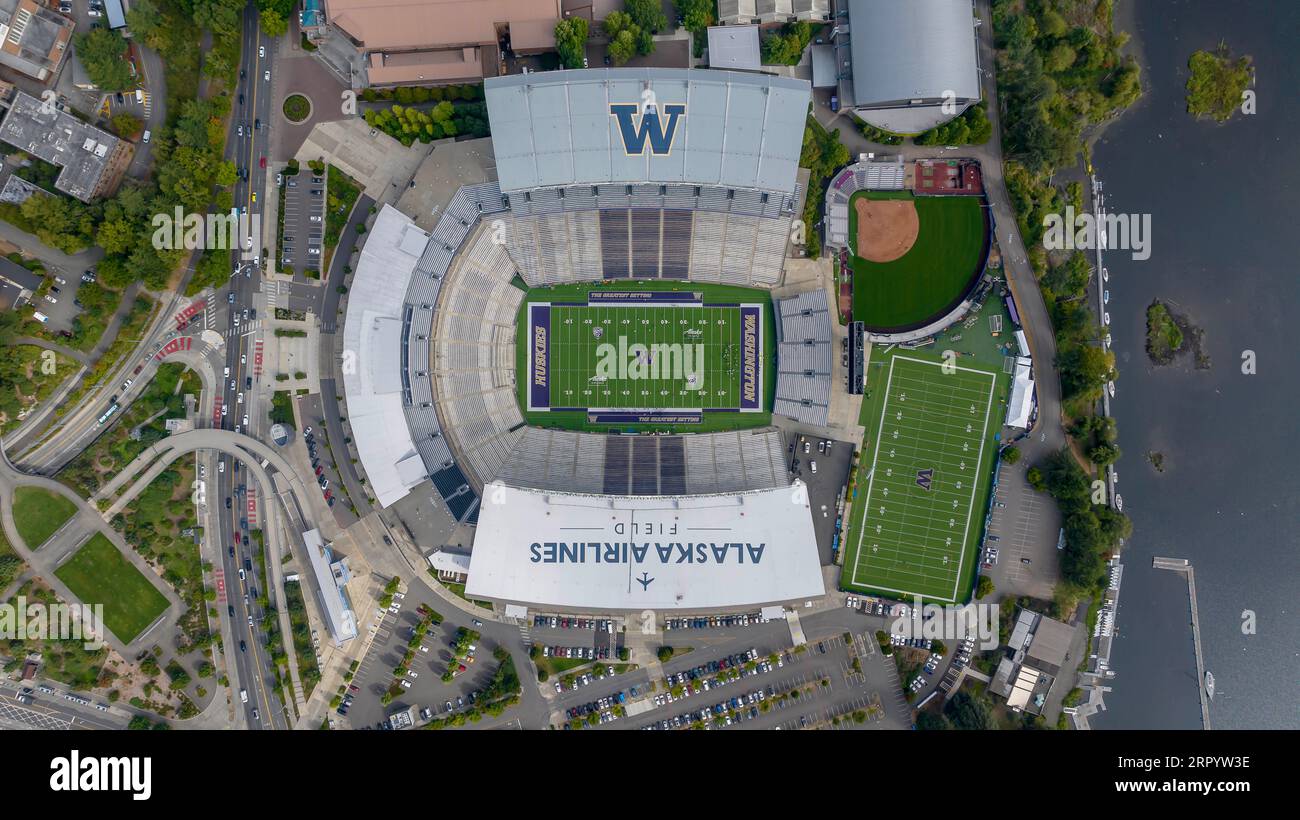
(1119, 502)
(1209, 684)
(1105, 297)
(1105, 275)
(1110, 388)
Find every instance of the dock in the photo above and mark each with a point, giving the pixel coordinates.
(1184, 566)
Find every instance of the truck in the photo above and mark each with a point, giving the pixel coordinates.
(243, 696)
(40, 317)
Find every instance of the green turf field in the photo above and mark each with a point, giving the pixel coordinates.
(645, 357)
(38, 514)
(937, 271)
(99, 574)
(924, 426)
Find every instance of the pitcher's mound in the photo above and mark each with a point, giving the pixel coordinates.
(887, 228)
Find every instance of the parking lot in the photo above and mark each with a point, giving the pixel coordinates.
(426, 690)
(1021, 538)
(826, 474)
(322, 460)
(304, 220)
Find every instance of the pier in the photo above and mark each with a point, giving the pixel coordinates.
(1184, 566)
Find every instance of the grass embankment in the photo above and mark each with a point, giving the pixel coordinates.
(38, 514)
(26, 382)
(340, 195)
(100, 574)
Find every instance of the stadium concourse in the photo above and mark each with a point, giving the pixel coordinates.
(613, 175)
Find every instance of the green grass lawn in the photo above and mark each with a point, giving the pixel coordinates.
(929, 279)
(100, 574)
(38, 513)
(924, 476)
(583, 361)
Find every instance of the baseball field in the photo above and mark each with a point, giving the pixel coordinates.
(913, 257)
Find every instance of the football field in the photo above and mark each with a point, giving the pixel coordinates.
(649, 357)
(924, 479)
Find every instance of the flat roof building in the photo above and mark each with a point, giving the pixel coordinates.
(329, 578)
(624, 552)
(92, 160)
(914, 64)
(439, 41)
(732, 12)
(734, 47)
(720, 128)
(34, 39)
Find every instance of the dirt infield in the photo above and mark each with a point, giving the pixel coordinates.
(887, 228)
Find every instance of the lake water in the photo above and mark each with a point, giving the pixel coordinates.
(1225, 228)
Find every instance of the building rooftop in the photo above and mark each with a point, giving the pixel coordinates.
(734, 47)
(732, 129)
(373, 329)
(81, 150)
(621, 552)
(427, 24)
(35, 37)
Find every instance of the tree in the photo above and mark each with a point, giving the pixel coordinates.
(571, 41)
(984, 588)
(1011, 455)
(648, 14)
(1104, 454)
(102, 53)
(697, 15)
(126, 125)
(622, 47)
(623, 34)
(273, 23)
(931, 722)
(665, 654)
(969, 712)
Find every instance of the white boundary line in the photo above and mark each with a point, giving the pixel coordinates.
(974, 485)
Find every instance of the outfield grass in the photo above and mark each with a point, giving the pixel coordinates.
(923, 480)
(100, 574)
(929, 279)
(712, 295)
(38, 513)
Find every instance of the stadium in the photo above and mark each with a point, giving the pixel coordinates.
(581, 360)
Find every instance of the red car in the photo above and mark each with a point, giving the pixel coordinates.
(262, 163)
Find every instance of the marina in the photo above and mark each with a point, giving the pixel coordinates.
(1205, 680)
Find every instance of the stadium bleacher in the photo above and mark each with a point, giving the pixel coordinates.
(804, 358)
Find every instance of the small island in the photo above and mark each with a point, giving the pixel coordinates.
(1169, 334)
(1217, 82)
(1157, 460)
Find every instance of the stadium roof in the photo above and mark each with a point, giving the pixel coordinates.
(638, 552)
(556, 128)
(373, 332)
(918, 50)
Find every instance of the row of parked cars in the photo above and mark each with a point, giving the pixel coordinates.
(317, 468)
(715, 621)
(584, 680)
(558, 622)
(601, 705)
(733, 710)
(588, 652)
(875, 606)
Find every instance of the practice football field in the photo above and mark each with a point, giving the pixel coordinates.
(645, 357)
(924, 481)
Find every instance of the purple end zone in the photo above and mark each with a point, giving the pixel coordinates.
(751, 351)
(539, 325)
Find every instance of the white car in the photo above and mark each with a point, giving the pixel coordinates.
(245, 419)
(243, 358)
(261, 51)
(267, 76)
